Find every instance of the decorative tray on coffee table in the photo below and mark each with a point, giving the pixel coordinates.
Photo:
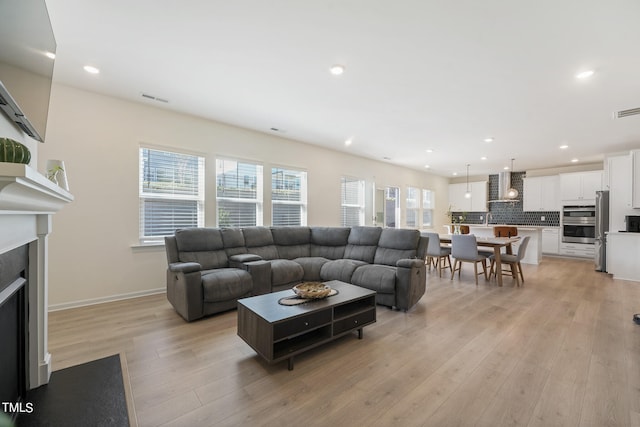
(307, 292)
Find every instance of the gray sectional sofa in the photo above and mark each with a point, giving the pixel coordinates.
(211, 268)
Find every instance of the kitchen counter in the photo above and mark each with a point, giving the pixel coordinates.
(623, 253)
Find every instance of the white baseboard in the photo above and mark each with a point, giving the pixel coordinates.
(93, 301)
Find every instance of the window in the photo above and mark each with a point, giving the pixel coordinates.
(392, 207)
(352, 196)
(413, 207)
(428, 205)
(288, 197)
(171, 193)
(238, 193)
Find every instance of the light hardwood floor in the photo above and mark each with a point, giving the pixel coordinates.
(560, 351)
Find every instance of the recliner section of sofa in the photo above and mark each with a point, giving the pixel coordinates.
(200, 280)
(210, 268)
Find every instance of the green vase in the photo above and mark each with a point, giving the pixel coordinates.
(13, 152)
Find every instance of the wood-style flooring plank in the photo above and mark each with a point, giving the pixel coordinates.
(561, 350)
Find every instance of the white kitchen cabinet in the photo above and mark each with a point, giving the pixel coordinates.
(581, 250)
(623, 252)
(541, 194)
(479, 196)
(476, 203)
(551, 240)
(635, 179)
(619, 184)
(580, 187)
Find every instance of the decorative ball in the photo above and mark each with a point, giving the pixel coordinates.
(13, 152)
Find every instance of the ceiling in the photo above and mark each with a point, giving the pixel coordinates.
(419, 74)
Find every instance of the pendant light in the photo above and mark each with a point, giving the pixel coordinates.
(512, 193)
(467, 195)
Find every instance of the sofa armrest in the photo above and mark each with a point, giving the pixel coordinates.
(411, 276)
(260, 272)
(184, 289)
(244, 258)
(184, 267)
(409, 263)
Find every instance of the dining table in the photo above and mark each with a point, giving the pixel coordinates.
(497, 243)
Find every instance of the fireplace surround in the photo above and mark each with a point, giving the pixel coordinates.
(28, 201)
(13, 323)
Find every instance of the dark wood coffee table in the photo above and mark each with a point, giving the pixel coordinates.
(278, 332)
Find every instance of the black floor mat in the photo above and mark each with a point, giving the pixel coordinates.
(91, 394)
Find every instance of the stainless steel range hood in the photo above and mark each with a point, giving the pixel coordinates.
(504, 186)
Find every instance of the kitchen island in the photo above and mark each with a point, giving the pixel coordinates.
(534, 250)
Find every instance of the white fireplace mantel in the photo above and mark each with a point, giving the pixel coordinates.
(23, 189)
(27, 202)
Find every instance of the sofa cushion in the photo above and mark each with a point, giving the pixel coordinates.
(291, 242)
(259, 241)
(311, 267)
(201, 245)
(362, 244)
(340, 269)
(395, 245)
(329, 242)
(284, 271)
(225, 284)
(233, 240)
(379, 278)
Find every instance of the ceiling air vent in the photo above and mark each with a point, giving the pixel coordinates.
(154, 98)
(626, 113)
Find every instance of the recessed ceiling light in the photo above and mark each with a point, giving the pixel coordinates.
(429, 150)
(506, 168)
(336, 69)
(574, 160)
(455, 174)
(348, 142)
(489, 139)
(91, 69)
(564, 147)
(483, 158)
(584, 74)
(50, 55)
(427, 166)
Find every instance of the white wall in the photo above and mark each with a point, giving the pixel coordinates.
(92, 249)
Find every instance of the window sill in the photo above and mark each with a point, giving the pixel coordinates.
(148, 247)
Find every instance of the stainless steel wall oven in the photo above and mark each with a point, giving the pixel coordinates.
(579, 224)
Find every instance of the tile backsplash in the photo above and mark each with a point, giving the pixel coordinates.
(511, 212)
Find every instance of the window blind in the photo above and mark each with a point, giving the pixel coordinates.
(171, 191)
(413, 207)
(288, 197)
(427, 208)
(392, 207)
(238, 193)
(352, 205)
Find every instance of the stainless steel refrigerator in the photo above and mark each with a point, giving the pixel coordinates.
(602, 226)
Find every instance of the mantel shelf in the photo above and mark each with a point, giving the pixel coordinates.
(24, 190)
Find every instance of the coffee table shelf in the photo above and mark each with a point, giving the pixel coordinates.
(277, 332)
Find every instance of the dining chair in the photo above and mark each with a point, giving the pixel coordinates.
(437, 256)
(513, 262)
(464, 248)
